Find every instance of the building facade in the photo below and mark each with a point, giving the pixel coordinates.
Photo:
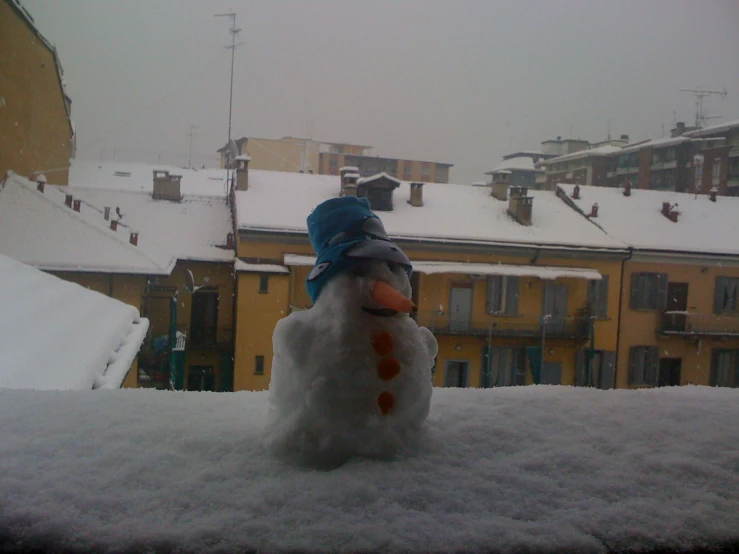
(36, 130)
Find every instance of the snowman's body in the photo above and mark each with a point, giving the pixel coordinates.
(346, 381)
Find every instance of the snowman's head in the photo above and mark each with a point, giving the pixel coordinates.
(350, 241)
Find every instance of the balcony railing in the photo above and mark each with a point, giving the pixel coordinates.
(577, 328)
(686, 324)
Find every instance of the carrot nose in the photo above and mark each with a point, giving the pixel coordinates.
(385, 294)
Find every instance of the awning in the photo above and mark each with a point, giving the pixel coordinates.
(430, 268)
(246, 267)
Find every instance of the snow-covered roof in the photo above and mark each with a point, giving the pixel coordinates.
(246, 267)
(604, 150)
(711, 129)
(702, 226)
(243, 157)
(40, 230)
(523, 163)
(139, 177)
(196, 228)
(58, 335)
(349, 168)
(377, 177)
(510, 469)
(281, 202)
(653, 143)
(469, 268)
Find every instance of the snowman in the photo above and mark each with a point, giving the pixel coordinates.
(351, 376)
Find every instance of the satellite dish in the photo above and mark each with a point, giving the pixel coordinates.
(190, 282)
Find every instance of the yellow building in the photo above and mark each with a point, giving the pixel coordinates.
(36, 132)
(164, 250)
(486, 271)
(679, 314)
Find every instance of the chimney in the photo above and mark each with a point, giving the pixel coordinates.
(627, 188)
(520, 205)
(576, 193)
(230, 241)
(166, 186)
(625, 138)
(76, 205)
(416, 195)
(68, 200)
(499, 189)
(242, 172)
(669, 211)
(713, 192)
(349, 183)
(594, 210)
(40, 183)
(113, 225)
(106, 213)
(134, 238)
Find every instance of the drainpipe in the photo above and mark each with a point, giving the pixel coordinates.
(620, 311)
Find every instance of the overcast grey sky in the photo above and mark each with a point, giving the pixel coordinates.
(462, 82)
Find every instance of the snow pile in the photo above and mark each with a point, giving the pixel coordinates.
(59, 335)
(537, 468)
(332, 367)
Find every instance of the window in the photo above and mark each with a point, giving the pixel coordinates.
(648, 291)
(425, 169)
(596, 368)
(716, 176)
(258, 365)
(503, 366)
(204, 318)
(598, 297)
(263, 284)
(407, 168)
(725, 299)
(333, 162)
(724, 368)
(502, 293)
(643, 365)
(456, 374)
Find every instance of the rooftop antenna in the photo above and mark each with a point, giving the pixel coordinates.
(234, 31)
(609, 129)
(700, 116)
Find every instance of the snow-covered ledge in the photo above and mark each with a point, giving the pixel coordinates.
(539, 468)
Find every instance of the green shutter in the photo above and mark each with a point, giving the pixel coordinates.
(718, 295)
(513, 286)
(636, 285)
(602, 297)
(652, 361)
(580, 368)
(662, 280)
(633, 359)
(608, 370)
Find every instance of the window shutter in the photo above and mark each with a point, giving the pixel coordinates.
(736, 369)
(485, 368)
(489, 296)
(634, 353)
(652, 369)
(636, 284)
(580, 368)
(608, 371)
(662, 280)
(520, 364)
(513, 286)
(715, 357)
(602, 297)
(718, 295)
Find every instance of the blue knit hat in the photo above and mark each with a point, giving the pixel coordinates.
(344, 232)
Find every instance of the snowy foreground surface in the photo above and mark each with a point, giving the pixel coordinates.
(519, 469)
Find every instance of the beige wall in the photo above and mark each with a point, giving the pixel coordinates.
(282, 155)
(35, 133)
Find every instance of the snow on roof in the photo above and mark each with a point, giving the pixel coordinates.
(600, 151)
(702, 227)
(140, 177)
(711, 129)
(524, 163)
(240, 265)
(349, 168)
(510, 469)
(281, 202)
(40, 230)
(377, 177)
(195, 228)
(430, 268)
(59, 335)
(244, 157)
(653, 143)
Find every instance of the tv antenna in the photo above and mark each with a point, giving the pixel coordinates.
(700, 94)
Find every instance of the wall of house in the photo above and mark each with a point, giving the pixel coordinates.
(283, 154)
(639, 328)
(35, 132)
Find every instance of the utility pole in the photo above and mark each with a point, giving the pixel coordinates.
(700, 117)
(189, 154)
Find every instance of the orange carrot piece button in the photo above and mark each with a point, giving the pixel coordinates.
(382, 343)
(387, 368)
(385, 401)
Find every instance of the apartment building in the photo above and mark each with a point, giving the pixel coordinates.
(407, 170)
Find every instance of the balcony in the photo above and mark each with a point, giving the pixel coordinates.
(575, 328)
(686, 324)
